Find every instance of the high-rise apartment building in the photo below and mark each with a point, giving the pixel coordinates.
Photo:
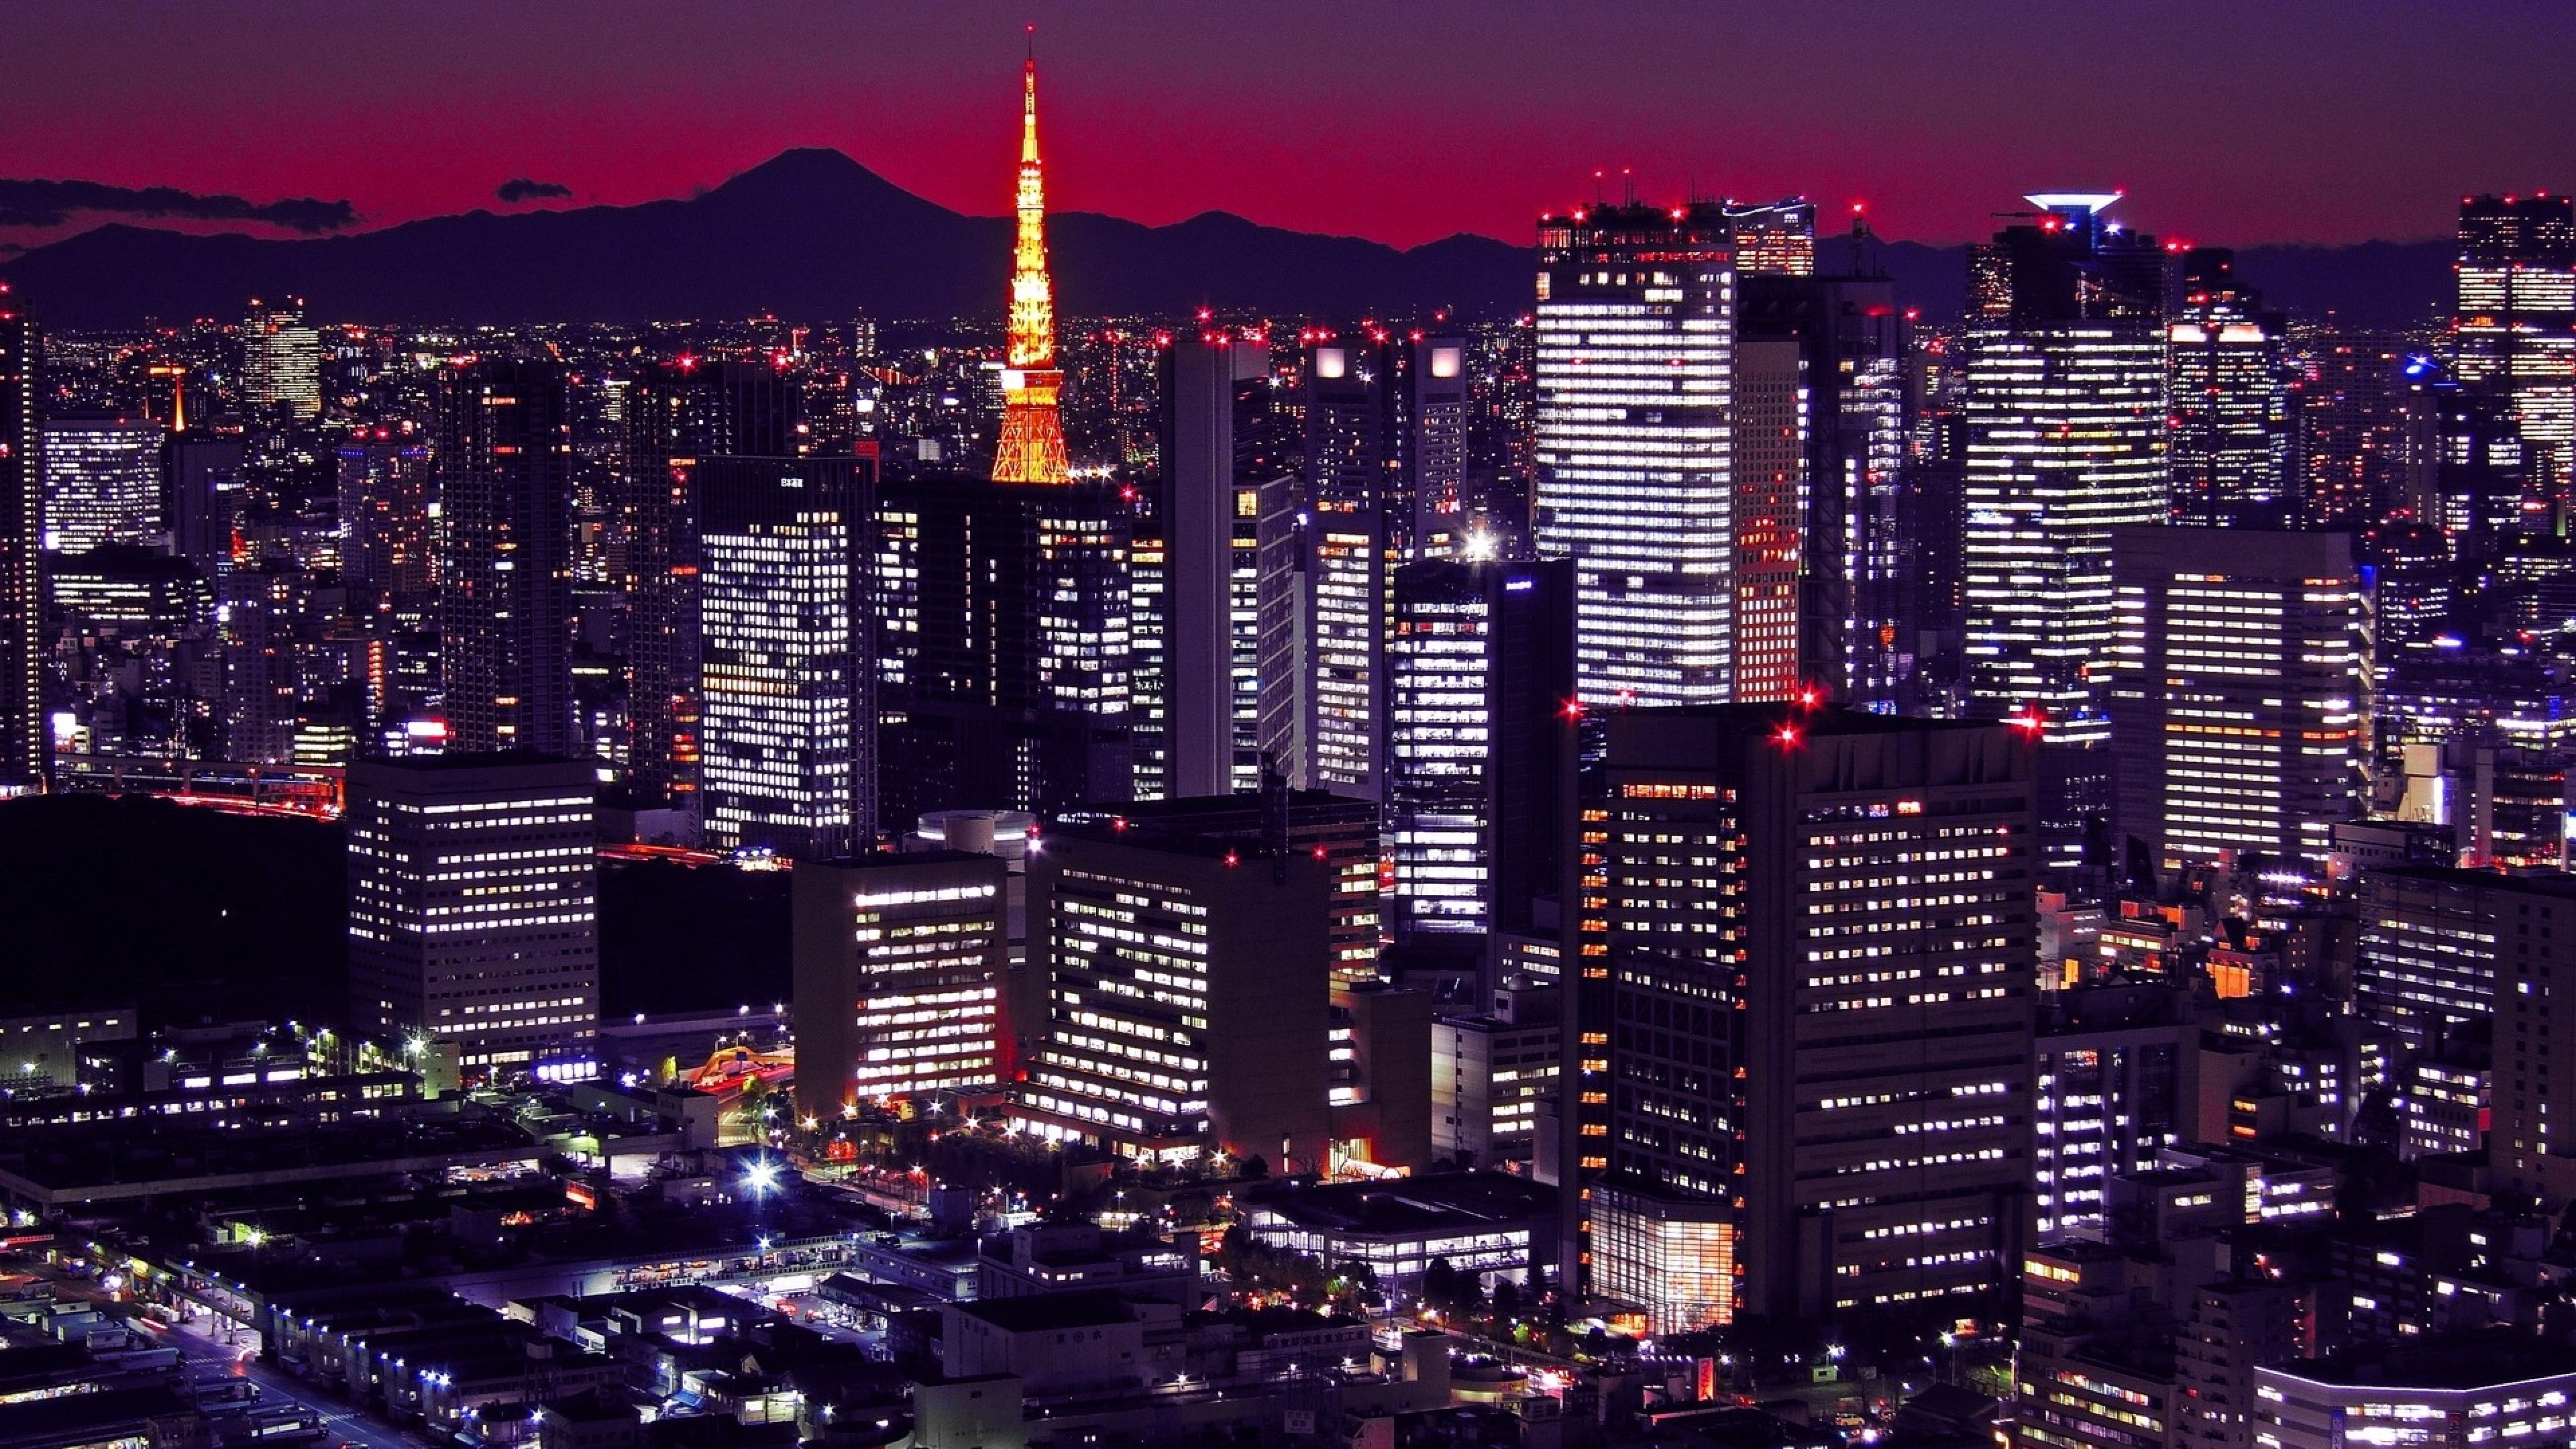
(2236, 692)
(281, 359)
(2513, 330)
(1480, 689)
(1811, 1009)
(503, 455)
(23, 738)
(102, 481)
(899, 961)
(1188, 999)
(1635, 424)
(2227, 382)
(2066, 435)
(786, 663)
(1385, 451)
(474, 909)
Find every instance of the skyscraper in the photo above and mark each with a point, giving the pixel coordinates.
(1480, 682)
(2350, 412)
(23, 741)
(281, 359)
(2065, 440)
(505, 494)
(474, 909)
(102, 481)
(679, 412)
(1775, 237)
(2228, 383)
(1223, 473)
(1004, 657)
(1856, 393)
(1768, 516)
(1818, 936)
(899, 962)
(1031, 449)
(2236, 692)
(1636, 365)
(786, 667)
(2514, 329)
(1386, 426)
(205, 494)
(385, 521)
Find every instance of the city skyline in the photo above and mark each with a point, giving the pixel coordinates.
(1919, 112)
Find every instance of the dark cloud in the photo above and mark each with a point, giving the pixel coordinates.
(51, 203)
(520, 188)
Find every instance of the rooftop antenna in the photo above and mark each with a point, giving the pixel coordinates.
(1596, 186)
(1628, 185)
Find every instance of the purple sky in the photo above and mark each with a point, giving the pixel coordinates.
(1403, 120)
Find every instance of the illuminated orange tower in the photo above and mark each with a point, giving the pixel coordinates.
(1032, 445)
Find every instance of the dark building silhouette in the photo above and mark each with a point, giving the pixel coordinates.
(503, 451)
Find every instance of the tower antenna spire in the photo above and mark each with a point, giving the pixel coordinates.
(1031, 447)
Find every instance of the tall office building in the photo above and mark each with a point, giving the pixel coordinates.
(386, 522)
(1774, 237)
(2535, 969)
(786, 671)
(1031, 447)
(503, 455)
(281, 359)
(1635, 377)
(1855, 350)
(23, 731)
(2236, 692)
(2514, 328)
(206, 490)
(102, 481)
(677, 413)
(1768, 516)
(1385, 449)
(2227, 380)
(1811, 1010)
(1004, 657)
(899, 962)
(2066, 435)
(474, 909)
(1188, 997)
(1224, 473)
(2350, 413)
(2117, 1082)
(1480, 680)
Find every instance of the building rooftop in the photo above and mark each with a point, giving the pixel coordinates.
(1046, 1312)
(2538, 882)
(1410, 1204)
(2472, 1360)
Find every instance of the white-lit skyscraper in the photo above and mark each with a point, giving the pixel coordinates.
(2229, 386)
(2066, 430)
(102, 481)
(2514, 329)
(22, 506)
(1386, 434)
(281, 359)
(2236, 692)
(474, 909)
(788, 720)
(1635, 381)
